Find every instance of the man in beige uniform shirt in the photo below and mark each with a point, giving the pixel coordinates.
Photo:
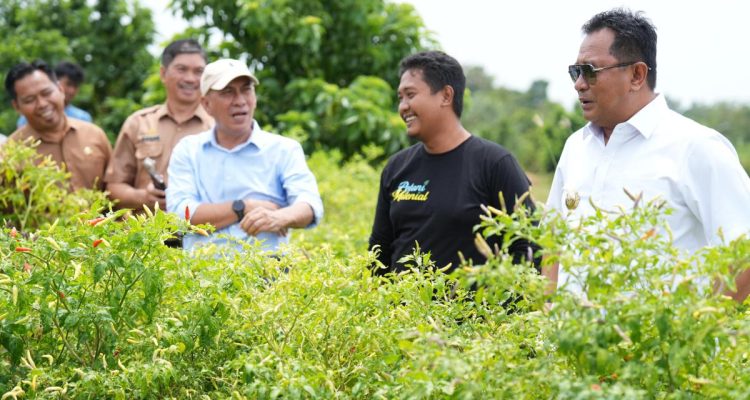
(153, 132)
(82, 147)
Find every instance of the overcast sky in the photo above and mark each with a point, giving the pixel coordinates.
(703, 52)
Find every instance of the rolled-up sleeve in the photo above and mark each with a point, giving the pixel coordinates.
(300, 184)
(182, 188)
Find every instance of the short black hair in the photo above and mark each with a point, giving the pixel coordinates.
(22, 69)
(439, 70)
(71, 70)
(635, 37)
(182, 46)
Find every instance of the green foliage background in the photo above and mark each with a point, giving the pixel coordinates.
(92, 310)
(109, 39)
(531, 126)
(328, 68)
(103, 310)
(328, 71)
(34, 191)
(732, 120)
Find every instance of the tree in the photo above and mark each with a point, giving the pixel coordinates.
(109, 39)
(532, 127)
(312, 58)
(478, 79)
(732, 120)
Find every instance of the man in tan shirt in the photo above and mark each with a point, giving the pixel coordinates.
(154, 131)
(82, 147)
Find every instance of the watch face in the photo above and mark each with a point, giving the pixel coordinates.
(238, 206)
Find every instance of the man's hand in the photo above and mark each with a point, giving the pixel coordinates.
(261, 219)
(253, 204)
(743, 287)
(127, 196)
(222, 215)
(153, 195)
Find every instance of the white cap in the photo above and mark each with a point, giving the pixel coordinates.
(218, 74)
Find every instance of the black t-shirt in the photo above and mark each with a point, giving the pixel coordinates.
(434, 199)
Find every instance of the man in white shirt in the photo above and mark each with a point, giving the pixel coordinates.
(634, 141)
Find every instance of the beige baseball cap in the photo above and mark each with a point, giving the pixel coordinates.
(218, 74)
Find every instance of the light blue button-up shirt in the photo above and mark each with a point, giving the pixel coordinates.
(266, 167)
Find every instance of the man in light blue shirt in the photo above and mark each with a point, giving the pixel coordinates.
(248, 183)
(70, 77)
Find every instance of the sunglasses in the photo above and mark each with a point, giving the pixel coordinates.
(589, 71)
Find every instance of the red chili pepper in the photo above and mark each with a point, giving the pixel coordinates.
(187, 213)
(97, 242)
(61, 294)
(13, 232)
(26, 267)
(20, 249)
(95, 221)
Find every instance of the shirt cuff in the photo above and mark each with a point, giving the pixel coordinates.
(316, 206)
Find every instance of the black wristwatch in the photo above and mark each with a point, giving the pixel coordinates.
(238, 206)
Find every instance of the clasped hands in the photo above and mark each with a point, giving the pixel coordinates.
(263, 216)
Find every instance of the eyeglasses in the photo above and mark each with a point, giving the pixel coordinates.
(589, 71)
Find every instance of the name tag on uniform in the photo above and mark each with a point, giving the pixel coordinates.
(150, 138)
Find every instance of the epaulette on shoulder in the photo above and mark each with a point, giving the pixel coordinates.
(147, 110)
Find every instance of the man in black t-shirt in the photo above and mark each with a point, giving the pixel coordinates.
(431, 193)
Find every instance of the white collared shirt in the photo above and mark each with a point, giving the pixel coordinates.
(662, 154)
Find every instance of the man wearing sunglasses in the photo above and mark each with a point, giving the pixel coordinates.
(634, 141)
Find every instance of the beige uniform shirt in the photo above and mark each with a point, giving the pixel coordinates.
(83, 148)
(150, 132)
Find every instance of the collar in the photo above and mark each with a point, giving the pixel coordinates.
(200, 113)
(259, 138)
(163, 111)
(644, 121)
(647, 118)
(70, 125)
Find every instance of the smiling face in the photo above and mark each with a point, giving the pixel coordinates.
(418, 106)
(182, 76)
(233, 107)
(605, 103)
(41, 101)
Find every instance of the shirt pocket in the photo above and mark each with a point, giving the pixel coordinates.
(645, 189)
(148, 148)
